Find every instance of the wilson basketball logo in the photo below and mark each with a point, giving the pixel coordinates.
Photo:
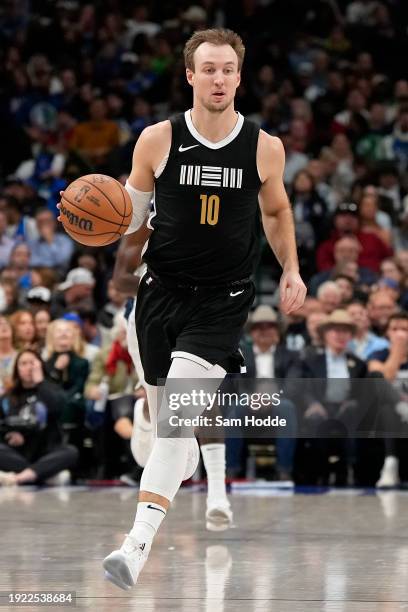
(100, 178)
(76, 220)
(81, 193)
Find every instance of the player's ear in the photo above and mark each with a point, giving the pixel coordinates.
(238, 78)
(190, 76)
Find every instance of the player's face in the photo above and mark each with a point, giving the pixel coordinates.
(215, 77)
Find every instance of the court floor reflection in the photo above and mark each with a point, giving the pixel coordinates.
(337, 552)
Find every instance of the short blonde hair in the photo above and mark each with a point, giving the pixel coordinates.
(49, 339)
(214, 36)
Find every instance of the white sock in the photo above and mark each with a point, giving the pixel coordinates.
(149, 516)
(214, 463)
(218, 565)
(390, 462)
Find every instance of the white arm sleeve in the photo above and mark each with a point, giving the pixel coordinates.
(141, 206)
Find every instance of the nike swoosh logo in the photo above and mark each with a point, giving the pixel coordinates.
(233, 294)
(153, 508)
(182, 149)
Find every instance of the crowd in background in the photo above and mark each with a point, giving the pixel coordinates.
(78, 84)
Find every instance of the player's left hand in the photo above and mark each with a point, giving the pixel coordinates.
(292, 291)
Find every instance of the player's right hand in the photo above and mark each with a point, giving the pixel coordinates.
(59, 218)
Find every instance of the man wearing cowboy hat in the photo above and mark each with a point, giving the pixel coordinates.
(331, 394)
(267, 358)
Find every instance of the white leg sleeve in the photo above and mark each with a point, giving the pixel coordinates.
(165, 469)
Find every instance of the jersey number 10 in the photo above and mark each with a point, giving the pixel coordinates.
(210, 208)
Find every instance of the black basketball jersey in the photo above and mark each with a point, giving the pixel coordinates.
(205, 215)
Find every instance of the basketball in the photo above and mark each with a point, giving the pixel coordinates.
(95, 210)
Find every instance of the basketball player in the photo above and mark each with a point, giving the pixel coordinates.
(207, 168)
(126, 277)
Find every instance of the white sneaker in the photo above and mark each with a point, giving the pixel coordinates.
(142, 439)
(193, 458)
(61, 479)
(123, 566)
(219, 515)
(389, 474)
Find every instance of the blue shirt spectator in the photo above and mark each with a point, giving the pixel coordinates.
(6, 243)
(51, 249)
(367, 346)
(364, 342)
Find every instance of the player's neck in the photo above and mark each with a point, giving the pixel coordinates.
(214, 126)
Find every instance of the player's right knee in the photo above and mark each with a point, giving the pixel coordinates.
(166, 467)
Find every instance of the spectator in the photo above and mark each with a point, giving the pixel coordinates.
(267, 358)
(38, 298)
(9, 288)
(22, 323)
(314, 339)
(76, 291)
(295, 161)
(329, 296)
(115, 304)
(19, 226)
(369, 216)
(354, 118)
(373, 250)
(20, 263)
(361, 12)
(390, 187)
(371, 145)
(51, 249)
(392, 363)
(84, 348)
(95, 138)
(6, 243)
(69, 371)
(397, 143)
(346, 251)
(393, 278)
(32, 449)
(93, 332)
(43, 276)
(316, 169)
(381, 305)
(42, 319)
(113, 366)
(344, 174)
(334, 396)
(7, 354)
(401, 259)
(346, 285)
(365, 341)
(309, 211)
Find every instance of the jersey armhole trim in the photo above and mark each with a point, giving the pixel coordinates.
(163, 163)
(256, 159)
(160, 168)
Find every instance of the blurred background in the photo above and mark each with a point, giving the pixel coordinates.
(78, 84)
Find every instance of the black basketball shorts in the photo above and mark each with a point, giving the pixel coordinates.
(206, 323)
